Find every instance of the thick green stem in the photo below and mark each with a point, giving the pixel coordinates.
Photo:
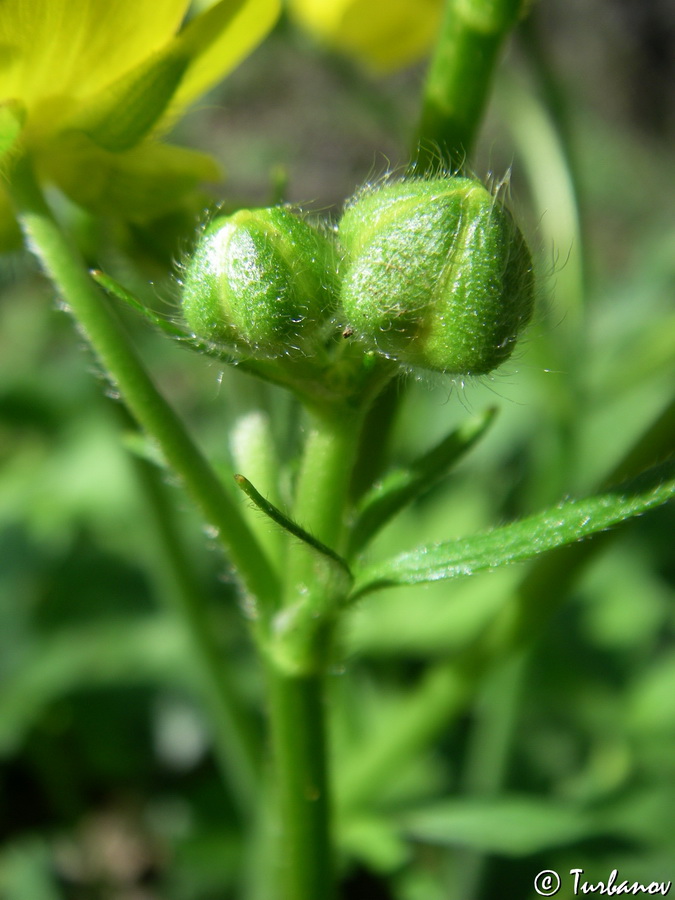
(298, 745)
(146, 404)
(460, 75)
(321, 495)
(298, 660)
(323, 485)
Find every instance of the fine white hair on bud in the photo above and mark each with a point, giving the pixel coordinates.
(435, 274)
(260, 281)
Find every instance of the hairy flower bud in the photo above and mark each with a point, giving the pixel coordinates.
(436, 275)
(260, 281)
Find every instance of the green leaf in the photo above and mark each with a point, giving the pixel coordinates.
(402, 486)
(145, 650)
(283, 521)
(508, 826)
(262, 368)
(568, 522)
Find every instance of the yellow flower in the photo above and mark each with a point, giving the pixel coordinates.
(382, 36)
(87, 88)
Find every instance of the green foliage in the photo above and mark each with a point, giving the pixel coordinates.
(566, 523)
(463, 761)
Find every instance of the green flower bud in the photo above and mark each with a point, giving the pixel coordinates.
(260, 281)
(436, 275)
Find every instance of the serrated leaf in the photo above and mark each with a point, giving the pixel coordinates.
(566, 523)
(402, 486)
(508, 826)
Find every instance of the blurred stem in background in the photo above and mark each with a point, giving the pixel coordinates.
(238, 748)
(459, 78)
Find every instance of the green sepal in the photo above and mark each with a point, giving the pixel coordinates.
(111, 286)
(150, 180)
(267, 370)
(12, 118)
(401, 486)
(564, 524)
(120, 116)
(198, 35)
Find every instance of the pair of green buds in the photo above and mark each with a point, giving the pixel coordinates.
(430, 273)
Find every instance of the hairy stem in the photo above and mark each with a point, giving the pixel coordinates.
(144, 401)
(321, 496)
(296, 683)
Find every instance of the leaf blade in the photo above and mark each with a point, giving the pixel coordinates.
(567, 523)
(514, 825)
(287, 524)
(402, 486)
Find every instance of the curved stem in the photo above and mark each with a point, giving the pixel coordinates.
(146, 404)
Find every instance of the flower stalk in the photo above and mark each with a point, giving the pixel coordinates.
(149, 408)
(460, 76)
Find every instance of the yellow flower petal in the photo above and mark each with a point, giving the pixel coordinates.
(75, 47)
(218, 39)
(384, 37)
(140, 184)
(120, 116)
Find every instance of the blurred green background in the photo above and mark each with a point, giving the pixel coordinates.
(109, 788)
